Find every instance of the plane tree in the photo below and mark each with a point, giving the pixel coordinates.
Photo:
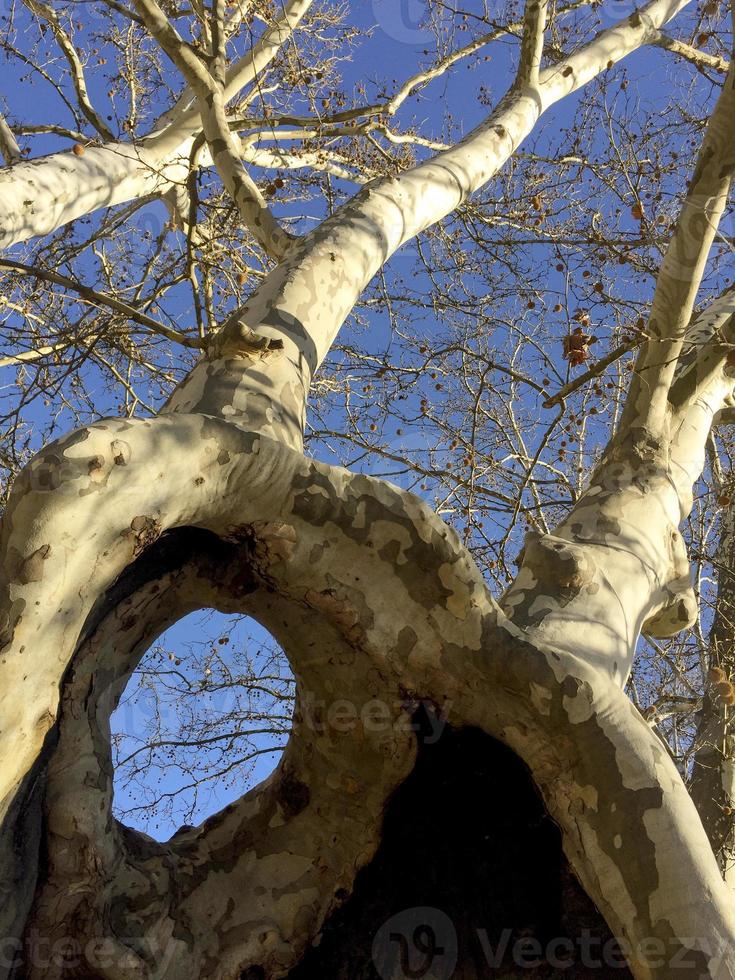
(557, 450)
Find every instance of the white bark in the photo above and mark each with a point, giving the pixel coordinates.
(305, 300)
(8, 143)
(367, 591)
(39, 196)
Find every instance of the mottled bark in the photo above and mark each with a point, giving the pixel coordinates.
(122, 527)
(373, 599)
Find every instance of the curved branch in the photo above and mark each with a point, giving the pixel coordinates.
(682, 269)
(39, 196)
(48, 14)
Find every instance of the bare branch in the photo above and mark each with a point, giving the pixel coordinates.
(118, 172)
(178, 50)
(598, 368)
(712, 340)
(209, 89)
(48, 14)
(8, 144)
(532, 43)
(701, 59)
(27, 356)
(247, 68)
(682, 269)
(103, 299)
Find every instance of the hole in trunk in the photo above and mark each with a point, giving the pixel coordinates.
(469, 881)
(204, 717)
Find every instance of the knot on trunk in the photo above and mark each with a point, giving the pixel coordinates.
(677, 613)
(678, 608)
(143, 531)
(338, 611)
(237, 339)
(556, 563)
(274, 541)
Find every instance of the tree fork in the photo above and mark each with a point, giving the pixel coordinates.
(373, 599)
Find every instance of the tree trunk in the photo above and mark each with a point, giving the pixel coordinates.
(126, 525)
(378, 606)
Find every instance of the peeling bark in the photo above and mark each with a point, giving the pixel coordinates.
(120, 528)
(372, 598)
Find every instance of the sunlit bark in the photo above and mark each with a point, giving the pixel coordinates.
(125, 525)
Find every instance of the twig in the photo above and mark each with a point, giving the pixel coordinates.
(103, 299)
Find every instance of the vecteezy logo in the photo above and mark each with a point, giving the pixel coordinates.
(403, 20)
(416, 944)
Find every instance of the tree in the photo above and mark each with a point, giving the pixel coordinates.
(116, 530)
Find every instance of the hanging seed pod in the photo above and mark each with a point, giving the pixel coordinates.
(727, 810)
(717, 674)
(728, 698)
(724, 687)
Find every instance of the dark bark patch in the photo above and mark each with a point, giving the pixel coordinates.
(228, 437)
(143, 532)
(9, 622)
(357, 512)
(561, 569)
(406, 641)
(295, 331)
(293, 795)
(225, 858)
(46, 476)
(120, 452)
(73, 439)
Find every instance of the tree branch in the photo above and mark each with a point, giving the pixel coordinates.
(103, 299)
(598, 368)
(532, 43)
(209, 88)
(8, 144)
(711, 340)
(247, 68)
(390, 212)
(178, 50)
(682, 270)
(701, 59)
(48, 14)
